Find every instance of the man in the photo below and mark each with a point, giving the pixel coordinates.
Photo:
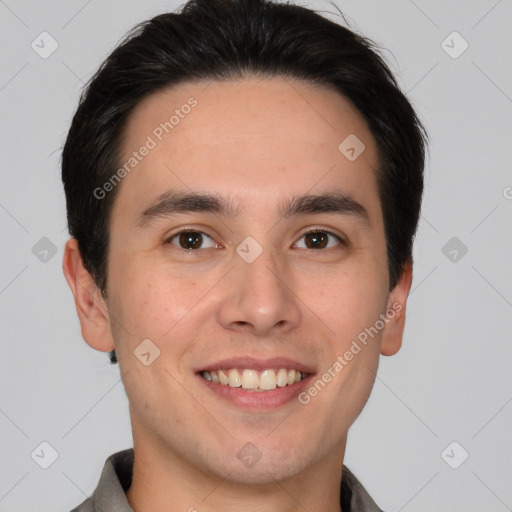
(243, 184)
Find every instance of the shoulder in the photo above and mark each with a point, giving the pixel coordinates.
(355, 494)
(115, 479)
(86, 506)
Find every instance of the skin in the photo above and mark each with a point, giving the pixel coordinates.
(258, 142)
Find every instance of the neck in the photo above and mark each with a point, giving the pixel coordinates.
(164, 481)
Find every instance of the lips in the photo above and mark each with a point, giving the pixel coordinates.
(257, 364)
(256, 383)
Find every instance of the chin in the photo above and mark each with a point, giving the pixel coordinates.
(263, 473)
(265, 465)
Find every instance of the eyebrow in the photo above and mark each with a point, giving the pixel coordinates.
(171, 203)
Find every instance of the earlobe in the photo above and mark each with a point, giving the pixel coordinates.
(90, 305)
(393, 332)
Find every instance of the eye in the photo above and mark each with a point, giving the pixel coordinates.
(190, 240)
(318, 239)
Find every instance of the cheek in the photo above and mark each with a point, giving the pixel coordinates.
(149, 297)
(150, 306)
(349, 302)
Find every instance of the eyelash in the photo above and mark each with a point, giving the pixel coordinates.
(318, 229)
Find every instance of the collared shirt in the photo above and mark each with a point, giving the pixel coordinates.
(116, 479)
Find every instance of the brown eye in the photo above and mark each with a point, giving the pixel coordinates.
(192, 240)
(319, 240)
(316, 240)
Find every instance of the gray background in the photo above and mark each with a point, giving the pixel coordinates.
(450, 382)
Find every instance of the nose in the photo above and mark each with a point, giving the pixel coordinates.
(259, 298)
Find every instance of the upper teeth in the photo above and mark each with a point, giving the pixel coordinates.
(253, 379)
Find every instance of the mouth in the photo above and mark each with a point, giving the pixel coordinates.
(254, 380)
(256, 384)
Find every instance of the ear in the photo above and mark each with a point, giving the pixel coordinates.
(395, 313)
(90, 305)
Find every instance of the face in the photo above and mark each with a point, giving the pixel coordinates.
(249, 248)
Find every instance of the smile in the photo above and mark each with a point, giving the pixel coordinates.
(254, 380)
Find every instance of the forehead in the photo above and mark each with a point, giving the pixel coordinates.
(248, 139)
